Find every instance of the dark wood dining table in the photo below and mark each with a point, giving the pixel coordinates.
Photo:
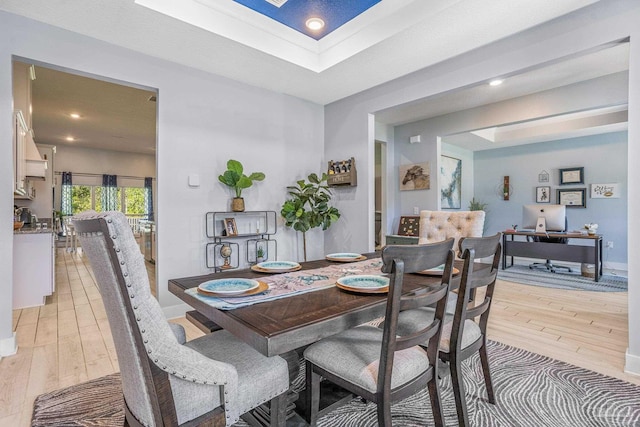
(287, 325)
(278, 326)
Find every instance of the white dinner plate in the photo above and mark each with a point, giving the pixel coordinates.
(232, 286)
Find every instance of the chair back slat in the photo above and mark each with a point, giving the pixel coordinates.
(479, 309)
(483, 278)
(401, 259)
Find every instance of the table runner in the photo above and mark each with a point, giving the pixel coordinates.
(294, 283)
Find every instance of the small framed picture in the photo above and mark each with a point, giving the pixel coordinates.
(543, 176)
(409, 226)
(573, 197)
(605, 191)
(572, 176)
(543, 194)
(230, 226)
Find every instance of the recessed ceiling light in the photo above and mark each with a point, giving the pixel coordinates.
(74, 115)
(314, 24)
(496, 82)
(70, 138)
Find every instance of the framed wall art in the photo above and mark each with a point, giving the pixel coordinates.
(415, 177)
(543, 194)
(572, 176)
(573, 197)
(605, 191)
(409, 226)
(543, 176)
(450, 182)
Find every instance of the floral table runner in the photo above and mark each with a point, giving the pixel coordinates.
(297, 282)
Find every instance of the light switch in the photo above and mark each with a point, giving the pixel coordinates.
(194, 180)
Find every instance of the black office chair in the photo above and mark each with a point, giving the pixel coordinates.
(548, 265)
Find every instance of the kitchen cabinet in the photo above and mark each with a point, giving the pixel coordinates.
(33, 267)
(20, 131)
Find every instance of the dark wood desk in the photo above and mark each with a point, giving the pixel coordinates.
(279, 326)
(591, 254)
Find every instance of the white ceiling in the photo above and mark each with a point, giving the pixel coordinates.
(392, 39)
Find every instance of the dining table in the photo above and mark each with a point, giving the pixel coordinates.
(283, 325)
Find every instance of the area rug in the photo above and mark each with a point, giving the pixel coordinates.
(563, 279)
(531, 391)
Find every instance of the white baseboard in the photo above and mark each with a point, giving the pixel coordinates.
(632, 363)
(8, 346)
(178, 310)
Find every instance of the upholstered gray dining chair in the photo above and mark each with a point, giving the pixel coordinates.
(377, 364)
(462, 336)
(166, 381)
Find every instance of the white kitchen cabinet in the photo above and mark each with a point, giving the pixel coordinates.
(33, 268)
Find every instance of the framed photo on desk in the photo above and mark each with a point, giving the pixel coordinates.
(573, 197)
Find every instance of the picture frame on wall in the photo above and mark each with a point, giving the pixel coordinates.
(543, 194)
(572, 176)
(543, 176)
(573, 197)
(409, 226)
(451, 182)
(415, 176)
(605, 191)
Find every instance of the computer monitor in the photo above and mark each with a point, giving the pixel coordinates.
(554, 217)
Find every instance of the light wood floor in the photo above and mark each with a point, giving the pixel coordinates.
(68, 341)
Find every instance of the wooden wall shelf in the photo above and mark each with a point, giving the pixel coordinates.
(342, 173)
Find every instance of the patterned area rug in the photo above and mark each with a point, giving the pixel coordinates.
(563, 279)
(531, 391)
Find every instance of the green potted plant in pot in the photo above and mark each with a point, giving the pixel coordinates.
(308, 206)
(235, 178)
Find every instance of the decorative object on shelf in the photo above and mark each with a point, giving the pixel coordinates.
(505, 188)
(259, 254)
(450, 182)
(543, 176)
(415, 177)
(592, 228)
(572, 176)
(605, 191)
(230, 227)
(308, 206)
(342, 172)
(225, 253)
(409, 226)
(543, 194)
(572, 197)
(235, 178)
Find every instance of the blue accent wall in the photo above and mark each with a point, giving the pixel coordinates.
(604, 158)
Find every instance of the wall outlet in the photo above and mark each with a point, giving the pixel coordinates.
(416, 210)
(609, 245)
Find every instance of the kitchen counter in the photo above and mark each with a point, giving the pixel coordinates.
(29, 230)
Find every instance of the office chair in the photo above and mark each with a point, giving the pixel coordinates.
(548, 265)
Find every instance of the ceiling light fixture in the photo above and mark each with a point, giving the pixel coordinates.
(314, 24)
(74, 115)
(70, 138)
(496, 82)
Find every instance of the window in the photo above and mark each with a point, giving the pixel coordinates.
(81, 199)
(134, 201)
(130, 200)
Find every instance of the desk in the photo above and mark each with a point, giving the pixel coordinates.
(591, 254)
(279, 326)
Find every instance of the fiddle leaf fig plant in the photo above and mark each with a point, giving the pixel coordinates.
(308, 206)
(235, 178)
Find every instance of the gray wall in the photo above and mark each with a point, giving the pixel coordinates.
(604, 158)
(203, 120)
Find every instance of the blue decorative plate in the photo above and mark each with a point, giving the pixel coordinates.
(364, 283)
(276, 266)
(228, 286)
(345, 257)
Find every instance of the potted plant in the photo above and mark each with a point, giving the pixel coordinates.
(259, 254)
(308, 206)
(235, 178)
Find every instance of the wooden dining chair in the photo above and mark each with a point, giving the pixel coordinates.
(167, 381)
(462, 336)
(375, 363)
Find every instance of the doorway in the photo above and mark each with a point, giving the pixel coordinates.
(91, 126)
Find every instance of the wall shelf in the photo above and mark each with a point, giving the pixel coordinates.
(256, 227)
(342, 173)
